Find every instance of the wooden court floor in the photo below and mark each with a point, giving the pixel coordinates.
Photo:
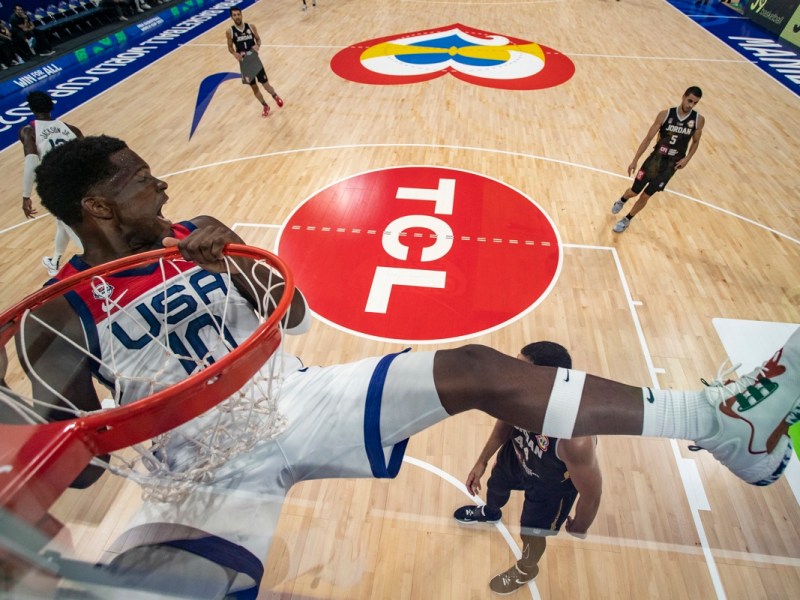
(722, 241)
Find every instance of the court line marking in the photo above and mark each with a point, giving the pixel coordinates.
(475, 149)
(741, 59)
(499, 525)
(594, 541)
(689, 482)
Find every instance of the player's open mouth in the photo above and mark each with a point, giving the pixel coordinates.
(161, 216)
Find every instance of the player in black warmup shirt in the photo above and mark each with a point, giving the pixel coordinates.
(243, 44)
(676, 127)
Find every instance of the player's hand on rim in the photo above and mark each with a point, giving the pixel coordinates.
(205, 245)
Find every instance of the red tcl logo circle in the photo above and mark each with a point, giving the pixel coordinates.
(421, 254)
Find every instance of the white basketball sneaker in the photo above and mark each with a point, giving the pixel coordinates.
(754, 413)
(51, 265)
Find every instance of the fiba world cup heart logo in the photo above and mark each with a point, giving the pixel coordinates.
(471, 55)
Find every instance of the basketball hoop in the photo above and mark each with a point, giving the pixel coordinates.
(39, 460)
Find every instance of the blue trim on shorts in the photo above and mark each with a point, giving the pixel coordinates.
(226, 554)
(372, 424)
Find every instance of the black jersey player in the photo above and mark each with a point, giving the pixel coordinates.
(678, 129)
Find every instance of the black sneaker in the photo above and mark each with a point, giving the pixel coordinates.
(475, 514)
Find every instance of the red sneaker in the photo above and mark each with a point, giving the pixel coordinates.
(278, 100)
(265, 112)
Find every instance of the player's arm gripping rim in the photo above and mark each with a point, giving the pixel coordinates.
(205, 247)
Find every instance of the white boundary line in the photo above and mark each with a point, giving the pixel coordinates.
(690, 478)
(499, 525)
(473, 149)
(469, 149)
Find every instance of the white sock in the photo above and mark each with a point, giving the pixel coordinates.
(677, 414)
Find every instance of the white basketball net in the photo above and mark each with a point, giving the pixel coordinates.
(172, 464)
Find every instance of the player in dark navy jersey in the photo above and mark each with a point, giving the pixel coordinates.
(675, 127)
(551, 472)
(244, 44)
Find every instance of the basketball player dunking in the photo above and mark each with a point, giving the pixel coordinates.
(345, 420)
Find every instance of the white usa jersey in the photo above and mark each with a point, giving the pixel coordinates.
(50, 134)
(151, 329)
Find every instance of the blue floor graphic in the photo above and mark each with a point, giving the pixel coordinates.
(777, 58)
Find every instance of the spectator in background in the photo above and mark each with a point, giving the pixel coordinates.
(141, 6)
(117, 7)
(22, 28)
(8, 55)
(18, 45)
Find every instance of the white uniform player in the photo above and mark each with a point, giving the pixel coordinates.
(50, 134)
(350, 420)
(39, 137)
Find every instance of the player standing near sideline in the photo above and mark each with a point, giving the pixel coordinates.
(244, 43)
(675, 127)
(39, 137)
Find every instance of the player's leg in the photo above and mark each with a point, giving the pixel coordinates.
(627, 195)
(637, 185)
(506, 476)
(625, 221)
(213, 541)
(260, 98)
(742, 423)
(525, 569)
(543, 513)
(62, 238)
(262, 77)
(73, 237)
(658, 173)
(643, 176)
